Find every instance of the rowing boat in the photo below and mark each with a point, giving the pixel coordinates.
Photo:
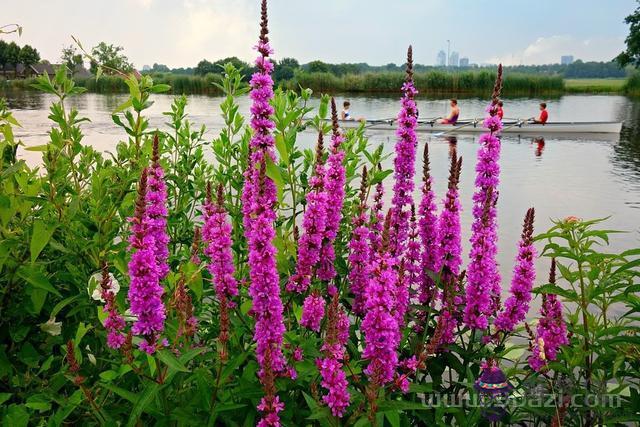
(510, 127)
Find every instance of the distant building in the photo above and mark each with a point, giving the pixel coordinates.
(566, 59)
(464, 62)
(454, 59)
(441, 61)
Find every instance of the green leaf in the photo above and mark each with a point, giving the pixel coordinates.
(37, 279)
(171, 361)
(41, 235)
(81, 332)
(145, 399)
(16, 416)
(273, 172)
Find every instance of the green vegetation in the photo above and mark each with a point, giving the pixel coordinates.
(595, 85)
(465, 82)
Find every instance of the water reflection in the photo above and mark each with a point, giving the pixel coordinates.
(539, 146)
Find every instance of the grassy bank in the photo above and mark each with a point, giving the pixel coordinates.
(467, 82)
(595, 85)
(428, 83)
(180, 84)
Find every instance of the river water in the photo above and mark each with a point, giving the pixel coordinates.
(585, 177)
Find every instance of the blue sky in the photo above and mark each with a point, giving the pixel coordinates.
(181, 32)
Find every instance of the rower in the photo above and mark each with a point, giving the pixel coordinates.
(500, 110)
(452, 118)
(544, 115)
(346, 114)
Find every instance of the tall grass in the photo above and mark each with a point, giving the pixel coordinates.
(180, 84)
(466, 82)
(632, 87)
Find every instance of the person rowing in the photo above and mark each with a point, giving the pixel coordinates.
(500, 110)
(544, 115)
(452, 118)
(345, 114)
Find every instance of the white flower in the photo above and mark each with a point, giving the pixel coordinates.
(95, 290)
(90, 356)
(129, 316)
(52, 327)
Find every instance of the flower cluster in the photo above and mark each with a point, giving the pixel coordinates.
(359, 252)
(157, 211)
(314, 224)
(404, 161)
(216, 233)
(451, 250)
(483, 277)
(145, 291)
(524, 274)
(114, 323)
(551, 330)
(429, 237)
(330, 366)
(312, 312)
(380, 326)
(412, 264)
(259, 201)
(335, 182)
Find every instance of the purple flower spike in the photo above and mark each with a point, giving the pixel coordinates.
(451, 250)
(145, 291)
(429, 236)
(259, 200)
(551, 331)
(157, 210)
(359, 252)
(314, 224)
(334, 184)
(404, 162)
(524, 274)
(330, 366)
(216, 233)
(380, 325)
(483, 276)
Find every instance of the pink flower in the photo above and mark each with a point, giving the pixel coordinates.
(312, 312)
(524, 275)
(216, 233)
(404, 161)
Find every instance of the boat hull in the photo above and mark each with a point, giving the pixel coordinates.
(518, 128)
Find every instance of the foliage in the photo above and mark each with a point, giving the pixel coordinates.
(71, 58)
(28, 55)
(631, 55)
(110, 58)
(61, 221)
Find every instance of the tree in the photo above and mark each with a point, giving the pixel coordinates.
(204, 67)
(110, 58)
(317, 67)
(13, 55)
(285, 69)
(28, 56)
(632, 54)
(3, 54)
(71, 58)
(160, 68)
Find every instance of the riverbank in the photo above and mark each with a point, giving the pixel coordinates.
(469, 83)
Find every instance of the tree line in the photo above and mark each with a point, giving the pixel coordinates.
(11, 55)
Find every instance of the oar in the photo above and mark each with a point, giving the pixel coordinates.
(472, 122)
(388, 121)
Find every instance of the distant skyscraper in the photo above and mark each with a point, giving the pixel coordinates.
(566, 59)
(464, 62)
(442, 59)
(454, 59)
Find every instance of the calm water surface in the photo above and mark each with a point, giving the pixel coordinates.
(584, 177)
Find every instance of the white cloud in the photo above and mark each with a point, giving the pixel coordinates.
(215, 29)
(547, 50)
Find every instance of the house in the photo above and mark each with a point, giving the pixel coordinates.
(36, 69)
